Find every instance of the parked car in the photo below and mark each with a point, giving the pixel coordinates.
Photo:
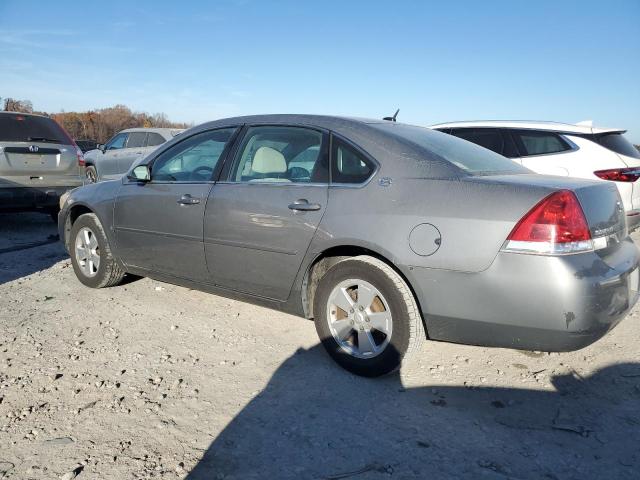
(86, 145)
(38, 163)
(378, 231)
(561, 149)
(113, 159)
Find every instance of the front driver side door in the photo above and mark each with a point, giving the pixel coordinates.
(158, 225)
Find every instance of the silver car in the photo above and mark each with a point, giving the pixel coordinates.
(113, 159)
(38, 163)
(385, 234)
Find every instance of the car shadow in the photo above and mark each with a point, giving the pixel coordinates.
(28, 244)
(314, 420)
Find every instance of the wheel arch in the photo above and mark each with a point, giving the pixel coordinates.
(75, 211)
(333, 255)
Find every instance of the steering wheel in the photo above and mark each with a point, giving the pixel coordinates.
(201, 171)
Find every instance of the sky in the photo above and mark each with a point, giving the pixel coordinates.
(558, 60)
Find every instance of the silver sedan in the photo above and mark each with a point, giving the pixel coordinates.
(385, 234)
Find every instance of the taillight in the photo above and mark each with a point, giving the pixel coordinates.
(556, 225)
(619, 174)
(80, 156)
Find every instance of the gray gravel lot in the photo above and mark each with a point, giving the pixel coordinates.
(150, 380)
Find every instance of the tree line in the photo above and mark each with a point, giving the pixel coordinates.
(100, 124)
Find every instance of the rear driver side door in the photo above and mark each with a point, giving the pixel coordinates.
(260, 221)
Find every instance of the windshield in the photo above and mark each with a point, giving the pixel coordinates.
(463, 154)
(31, 128)
(617, 143)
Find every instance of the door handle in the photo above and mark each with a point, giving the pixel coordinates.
(303, 205)
(187, 199)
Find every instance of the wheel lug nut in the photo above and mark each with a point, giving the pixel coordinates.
(361, 308)
(351, 310)
(367, 319)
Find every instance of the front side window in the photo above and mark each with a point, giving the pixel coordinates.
(117, 142)
(540, 143)
(348, 165)
(136, 139)
(281, 154)
(155, 139)
(192, 160)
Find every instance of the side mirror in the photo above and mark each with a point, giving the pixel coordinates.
(140, 174)
(101, 147)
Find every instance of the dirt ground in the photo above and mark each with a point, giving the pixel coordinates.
(150, 380)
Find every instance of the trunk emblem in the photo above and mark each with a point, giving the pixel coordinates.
(33, 148)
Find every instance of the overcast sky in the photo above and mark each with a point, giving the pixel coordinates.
(437, 61)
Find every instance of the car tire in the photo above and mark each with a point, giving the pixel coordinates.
(381, 351)
(91, 174)
(91, 257)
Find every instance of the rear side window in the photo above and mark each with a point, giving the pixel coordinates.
(136, 139)
(348, 165)
(490, 138)
(30, 128)
(279, 154)
(617, 143)
(540, 143)
(155, 139)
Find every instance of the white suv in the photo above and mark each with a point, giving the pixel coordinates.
(551, 148)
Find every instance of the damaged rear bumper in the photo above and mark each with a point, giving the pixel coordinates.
(531, 302)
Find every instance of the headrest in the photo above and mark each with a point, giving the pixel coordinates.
(268, 160)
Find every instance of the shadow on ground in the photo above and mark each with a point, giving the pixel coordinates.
(314, 420)
(28, 244)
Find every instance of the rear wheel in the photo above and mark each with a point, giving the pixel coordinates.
(91, 256)
(366, 316)
(91, 173)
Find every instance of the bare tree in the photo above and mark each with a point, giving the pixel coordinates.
(13, 105)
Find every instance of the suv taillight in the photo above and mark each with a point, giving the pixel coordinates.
(556, 225)
(80, 156)
(619, 174)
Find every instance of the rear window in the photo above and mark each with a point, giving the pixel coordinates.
(465, 155)
(617, 143)
(30, 128)
(155, 139)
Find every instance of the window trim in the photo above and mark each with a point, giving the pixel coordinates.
(234, 156)
(168, 145)
(361, 151)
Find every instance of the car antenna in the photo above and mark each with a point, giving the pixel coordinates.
(392, 119)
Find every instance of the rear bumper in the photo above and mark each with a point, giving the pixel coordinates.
(20, 199)
(531, 302)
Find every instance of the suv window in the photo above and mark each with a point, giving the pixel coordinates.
(348, 165)
(31, 128)
(617, 143)
(117, 142)
(155, 139)
(465, 155)
(533, 142)
(491, 138)
(136, 139)
(282, 154)
(192, 160)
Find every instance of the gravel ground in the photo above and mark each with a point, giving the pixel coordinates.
(150, 380)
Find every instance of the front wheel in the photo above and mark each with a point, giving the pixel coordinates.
(91, 257)
(366, 316)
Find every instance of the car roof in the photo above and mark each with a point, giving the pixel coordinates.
(580, 128)
(169, 131)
